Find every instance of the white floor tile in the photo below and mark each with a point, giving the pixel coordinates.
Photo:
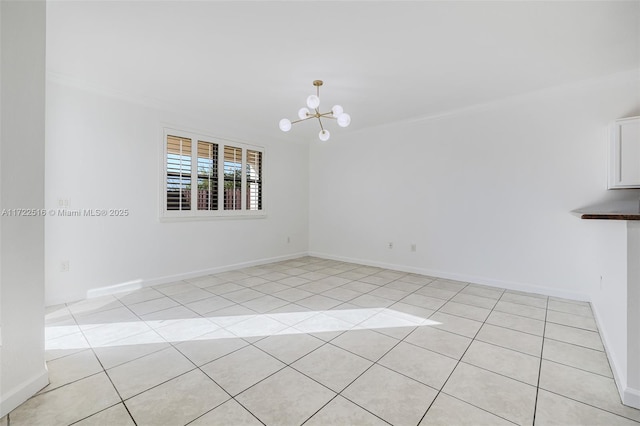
(229, 413)
(366, 343)
(112, 416)
(343, 412)
(247, 332)
(423, 365)
(144, 373)
(286, 398)
(177, 401)
(331, 366)
(67, 404)
(289, 347)
(242, 369)
(403, 401)
(509, 363)
(500, 395)
(447, 410)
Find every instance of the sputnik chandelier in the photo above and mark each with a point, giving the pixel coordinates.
(313, 102)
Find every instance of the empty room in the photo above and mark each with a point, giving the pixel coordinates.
(319, 213)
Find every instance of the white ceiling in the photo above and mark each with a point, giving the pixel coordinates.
(382, 61)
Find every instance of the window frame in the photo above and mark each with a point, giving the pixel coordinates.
(195, 214)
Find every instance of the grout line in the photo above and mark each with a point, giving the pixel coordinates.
(573, 326)
(100, 411)
(576, 344)
(479, 408)
(452, 370)
(105, 371)
(535, 404)
(579, 369)
(513, 329)
(594, 406)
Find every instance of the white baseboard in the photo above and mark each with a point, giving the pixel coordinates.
(113, 289)
(529, 288)
(137, 284)
(619, 376)
(631, 397)
(19, 394)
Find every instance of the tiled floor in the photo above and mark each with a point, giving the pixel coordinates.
(320, 342)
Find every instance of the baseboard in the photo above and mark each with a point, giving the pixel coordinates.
(619, 377)
(529, 288)
(140, 283)
(113, 289)
(16, 396)
(631, 397)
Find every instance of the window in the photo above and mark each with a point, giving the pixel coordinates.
(210, 177)
(254, 180)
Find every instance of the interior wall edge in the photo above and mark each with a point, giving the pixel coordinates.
(20, 393)
(628, 395)
(618, 375)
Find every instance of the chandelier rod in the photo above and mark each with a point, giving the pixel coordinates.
(320, 121)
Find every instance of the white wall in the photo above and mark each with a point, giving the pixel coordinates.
(484, 193)
(22, 116)
(104, 152)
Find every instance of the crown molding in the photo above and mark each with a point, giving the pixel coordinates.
(93, 87)
(620, 77)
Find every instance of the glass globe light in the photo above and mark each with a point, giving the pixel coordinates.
(302, 113)
(344, 119)
(313, 101)
(324, 135)
(285, 125)
(337, 110)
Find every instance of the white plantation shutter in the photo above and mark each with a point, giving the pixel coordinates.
(232, 178)
(207, 176)
(254, 180)
(178, 183)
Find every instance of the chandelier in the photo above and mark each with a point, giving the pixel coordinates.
(313, 102)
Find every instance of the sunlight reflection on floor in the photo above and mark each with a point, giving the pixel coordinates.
(115, 333)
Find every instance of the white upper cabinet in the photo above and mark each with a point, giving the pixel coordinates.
(624, 154)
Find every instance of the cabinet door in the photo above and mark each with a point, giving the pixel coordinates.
(624, 154)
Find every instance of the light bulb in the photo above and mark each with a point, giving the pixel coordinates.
(302, 113)
(313, 101)
(344, 119)
(285, 125)
(324, 135)
(336, 110)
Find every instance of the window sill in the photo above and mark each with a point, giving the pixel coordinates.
(168, 219)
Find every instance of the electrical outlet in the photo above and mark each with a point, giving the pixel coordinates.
(600, 282)
(390, 246)
(64, 266)
(413, 247)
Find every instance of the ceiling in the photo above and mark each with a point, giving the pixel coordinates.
(253, 63)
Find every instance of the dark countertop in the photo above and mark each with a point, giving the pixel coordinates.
(613, 210)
